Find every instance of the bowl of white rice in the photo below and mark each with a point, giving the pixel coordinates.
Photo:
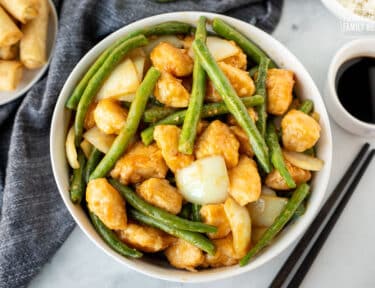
(352, 10)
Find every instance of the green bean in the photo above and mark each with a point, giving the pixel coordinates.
(228, 32)
(94, 159)
(277, 158)
(172, 27)
(261, 90)
(195, 212)
(112, 240)
(311, 151)
(208, 110)
(159, 214)
(299, 212)
(290, 208)
(193, 238)
(198, 91)
(157, 113)
(253, 70)
(77, 187)
(185, 211)
(97, 80)
(126, 104)
(306, 106)
(125, 137)
(233, 102)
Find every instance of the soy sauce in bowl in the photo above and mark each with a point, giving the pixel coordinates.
(355, 86)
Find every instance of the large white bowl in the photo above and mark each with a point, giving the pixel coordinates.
(305, 88)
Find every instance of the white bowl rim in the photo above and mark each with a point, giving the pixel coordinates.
(294, 230)
(344, 13)
(338, 60)
(18, 93)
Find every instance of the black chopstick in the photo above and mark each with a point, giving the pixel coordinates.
(316, 225)
(310, 257)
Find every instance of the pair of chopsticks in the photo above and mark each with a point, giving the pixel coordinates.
(300, 260)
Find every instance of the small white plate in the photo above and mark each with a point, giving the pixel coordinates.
(30, 77)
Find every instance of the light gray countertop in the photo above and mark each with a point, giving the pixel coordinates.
(346, 260)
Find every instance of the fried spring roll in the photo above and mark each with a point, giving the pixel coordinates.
(9, 52)
(10, 74)
(33, 52)
(9, 32)
(22, 10)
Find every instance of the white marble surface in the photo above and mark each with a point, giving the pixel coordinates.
(346, 260)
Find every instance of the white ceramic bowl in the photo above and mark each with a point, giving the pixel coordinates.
(344, 13)
(305, 88)
(353, 49)
(30, 77)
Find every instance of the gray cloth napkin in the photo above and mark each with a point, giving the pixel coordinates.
(34, 221)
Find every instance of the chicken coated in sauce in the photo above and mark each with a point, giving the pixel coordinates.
(167, 137)
(106, 202)
(217, 139)
(160, 193)
(299, 131)
(145, 238)
(140, 163)
(184, 255)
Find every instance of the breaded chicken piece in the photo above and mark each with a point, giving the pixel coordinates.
(202, 125)
(140, 163)
(171, 92)
(224, 255)
(279, 84)
(252, 113)
(275, 181)
(239, 60)
(214, 214)
(106, 202)
(240, 80)
(245, 183)
(167, 137)
(160, 193)
(184, 255)
(89, 119)
(168, 58)
(145, 238)
(217, 139)
(245, 145)
(299, 131)
(110, 116)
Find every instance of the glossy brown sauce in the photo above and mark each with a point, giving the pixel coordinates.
(355, 86)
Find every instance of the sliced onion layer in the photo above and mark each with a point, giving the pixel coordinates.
(70, 149)
(264, 211)
(99, 139)
(123, 80)
(205, 181)
(304, 161)
(219, 48)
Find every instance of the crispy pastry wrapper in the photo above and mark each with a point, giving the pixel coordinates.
(33, 44)
(10, 74)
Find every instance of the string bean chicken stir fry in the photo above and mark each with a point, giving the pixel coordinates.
(190, 144)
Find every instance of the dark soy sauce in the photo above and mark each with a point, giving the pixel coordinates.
(355, 86)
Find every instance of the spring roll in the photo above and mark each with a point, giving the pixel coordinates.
(9, 32)
(22, 10)
(9, 52)
(33, 52)
(10, 74)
